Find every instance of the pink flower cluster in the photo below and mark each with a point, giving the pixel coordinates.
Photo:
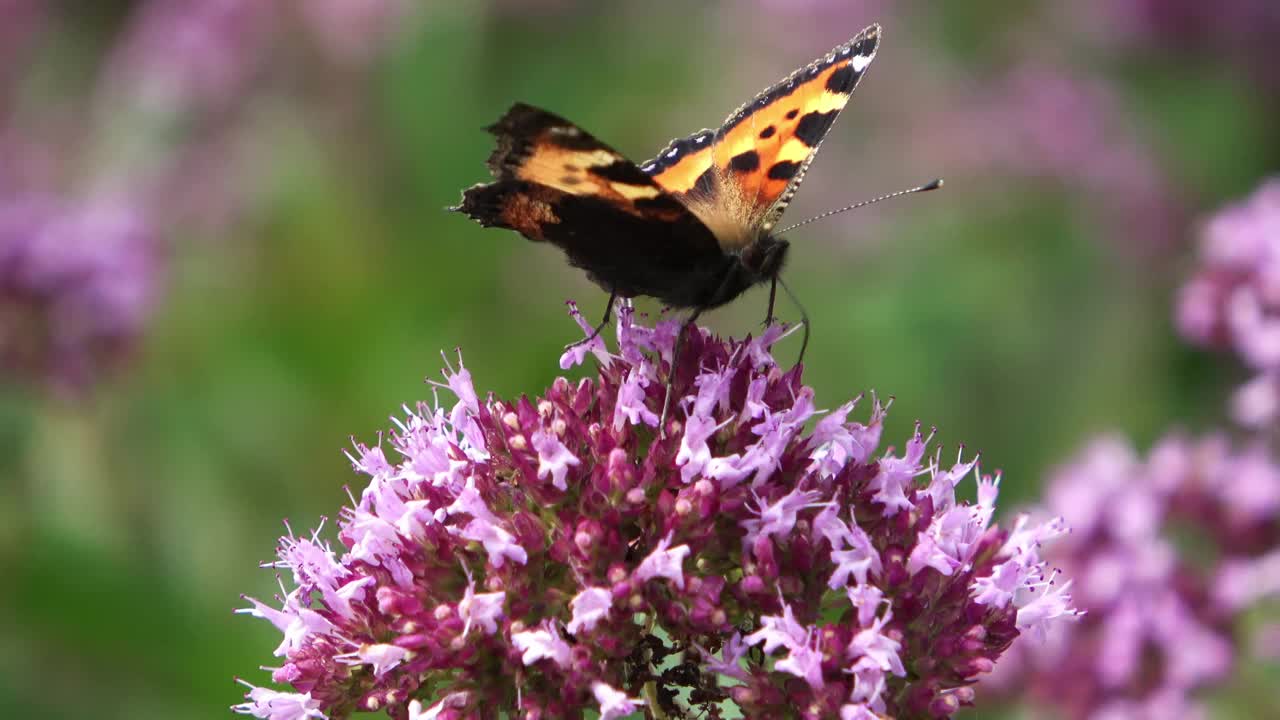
(1161, 614)
(1233, 301)
(548, 556)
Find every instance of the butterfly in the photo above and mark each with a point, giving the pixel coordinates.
(694, 226)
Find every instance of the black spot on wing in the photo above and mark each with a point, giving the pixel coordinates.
(784, 170)
(768, 132)
(623, 171)
(746, 162)
(814, 126)
(842, 80)
(792, 113)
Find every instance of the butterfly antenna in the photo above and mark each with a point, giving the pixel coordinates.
(933, 185)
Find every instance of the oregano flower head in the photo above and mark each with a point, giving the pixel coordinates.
(544, 557)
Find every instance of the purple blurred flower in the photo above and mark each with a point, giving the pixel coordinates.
(22, 21)
(1046, 122)
(77, 282)
(177, 86)
(536, 9)
(352, 31)
(498, 563)
(1242, 32)
(203, 56)
(826, 13)
(160, 128)
(1233, 300)
(1160, 614)
(190, 56)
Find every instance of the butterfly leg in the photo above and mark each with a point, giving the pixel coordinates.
(608, 313)
(804, 318)
(675, 363)
(769, 319)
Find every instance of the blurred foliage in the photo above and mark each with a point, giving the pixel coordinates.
(132, 517)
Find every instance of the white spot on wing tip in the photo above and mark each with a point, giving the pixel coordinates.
(860, 62)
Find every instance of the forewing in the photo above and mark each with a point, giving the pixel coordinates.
(537, 146)
(740, 178)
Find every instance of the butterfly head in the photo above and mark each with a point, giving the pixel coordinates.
(759, 262)
(764, 258)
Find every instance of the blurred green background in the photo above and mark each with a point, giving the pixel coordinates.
(1021, 310)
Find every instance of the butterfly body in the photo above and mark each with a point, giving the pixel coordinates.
(677, 262)
(693, 226)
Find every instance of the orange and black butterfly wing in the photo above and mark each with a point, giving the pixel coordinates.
(745, 173)
(556, 183)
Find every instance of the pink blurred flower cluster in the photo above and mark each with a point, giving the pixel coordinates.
(1233, 299)
(97, 181)
(1163, 619)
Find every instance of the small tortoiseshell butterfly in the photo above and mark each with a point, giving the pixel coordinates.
(693, 227)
